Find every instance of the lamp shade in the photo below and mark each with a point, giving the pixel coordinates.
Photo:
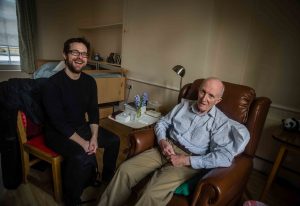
(180, 70)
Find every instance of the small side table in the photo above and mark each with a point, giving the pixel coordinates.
(290, 141)
(123, 130)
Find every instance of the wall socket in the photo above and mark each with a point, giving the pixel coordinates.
(128, 86)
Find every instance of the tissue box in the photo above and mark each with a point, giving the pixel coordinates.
(153, 113)
(123, 117)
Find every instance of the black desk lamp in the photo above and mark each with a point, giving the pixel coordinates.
(180, 70)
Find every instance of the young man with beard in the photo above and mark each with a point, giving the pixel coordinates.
(194, 136)
(69, 95)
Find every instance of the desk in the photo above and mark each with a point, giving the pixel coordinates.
(290, 141)
(123, 131)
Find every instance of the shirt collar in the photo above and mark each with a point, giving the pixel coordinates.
(211, 112)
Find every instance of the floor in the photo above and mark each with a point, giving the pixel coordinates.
(281, 194)
(32, 195)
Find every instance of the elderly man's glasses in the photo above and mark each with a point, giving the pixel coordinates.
(76, 53)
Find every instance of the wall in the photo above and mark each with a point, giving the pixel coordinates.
(56, 22)
(60, 20)
(249, 42)
(160, 34)
(237, 41)
(255, 43)
(105, 41)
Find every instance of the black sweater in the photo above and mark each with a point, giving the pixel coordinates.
(66, 101)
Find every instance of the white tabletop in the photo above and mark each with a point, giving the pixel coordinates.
(143, 121)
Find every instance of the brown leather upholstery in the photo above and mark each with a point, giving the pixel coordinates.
(220, 186)
(237, 110)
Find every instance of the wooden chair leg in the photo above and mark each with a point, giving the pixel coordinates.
(247, 195)
(57, 184)
(279, 159)
(25, 165)
(99, 157)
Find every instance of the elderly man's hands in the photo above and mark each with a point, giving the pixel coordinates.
(177, 160)
(166, 148)
(180, 160)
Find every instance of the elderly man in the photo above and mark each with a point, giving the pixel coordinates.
(195, 135)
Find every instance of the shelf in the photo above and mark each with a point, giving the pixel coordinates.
(113, 71)
(105, 67)
(103, 63)
(106, 63)
(103, 26)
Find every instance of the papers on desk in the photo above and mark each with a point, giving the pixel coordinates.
(143, 121)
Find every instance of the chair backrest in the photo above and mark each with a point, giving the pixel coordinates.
(239, 103)
(26, 128)
(21, 127)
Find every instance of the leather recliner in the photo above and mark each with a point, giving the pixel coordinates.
(220, 186)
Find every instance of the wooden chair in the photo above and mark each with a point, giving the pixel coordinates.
(36, 148)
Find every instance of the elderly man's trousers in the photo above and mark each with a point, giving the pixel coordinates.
(158, 191)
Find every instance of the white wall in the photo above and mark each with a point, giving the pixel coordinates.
(161, 34)
(61, 20)
(57, 21)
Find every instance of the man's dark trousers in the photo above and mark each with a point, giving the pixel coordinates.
(76, 174)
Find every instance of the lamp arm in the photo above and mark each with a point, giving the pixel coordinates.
(180, 83)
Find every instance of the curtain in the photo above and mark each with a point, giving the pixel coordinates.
(26, 14)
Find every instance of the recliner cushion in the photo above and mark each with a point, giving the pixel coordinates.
(188, 186)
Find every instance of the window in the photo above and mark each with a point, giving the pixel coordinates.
(9, 42)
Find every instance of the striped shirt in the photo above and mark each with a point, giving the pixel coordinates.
(212, 137)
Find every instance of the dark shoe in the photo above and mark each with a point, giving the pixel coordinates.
(87, 201)
(96, 183)
(72, 202)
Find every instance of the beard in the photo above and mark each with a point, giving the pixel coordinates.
(70, 66)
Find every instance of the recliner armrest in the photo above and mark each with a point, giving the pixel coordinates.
(255, 123)
(140, 141)
(221, 185)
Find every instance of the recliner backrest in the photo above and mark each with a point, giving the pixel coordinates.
(239, 103)
(235, 103)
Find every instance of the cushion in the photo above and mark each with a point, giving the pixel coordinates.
(37, 138)
(32, 129)
(61, 65)
(46, 70)
(187, 187)
(38, 142)
(24, 119)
